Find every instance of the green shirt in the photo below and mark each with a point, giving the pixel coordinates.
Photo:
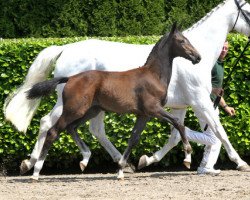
(217, 76)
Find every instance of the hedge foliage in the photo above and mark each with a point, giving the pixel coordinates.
(17, 55)
(68, 18)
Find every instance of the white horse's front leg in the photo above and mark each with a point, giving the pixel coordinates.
(172, 142)
(208, 114)
(232, 154)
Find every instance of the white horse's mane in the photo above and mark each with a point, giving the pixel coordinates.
(206, 16)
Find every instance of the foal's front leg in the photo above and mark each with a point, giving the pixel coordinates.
(140, 124)
(172, 142)
(166, 116)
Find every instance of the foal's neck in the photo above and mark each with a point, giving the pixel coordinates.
(160, 63)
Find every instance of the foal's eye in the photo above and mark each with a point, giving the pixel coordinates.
(182, 41)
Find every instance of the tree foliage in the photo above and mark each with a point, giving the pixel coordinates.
(67, 18)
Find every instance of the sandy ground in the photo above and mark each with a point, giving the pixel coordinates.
(230, 184)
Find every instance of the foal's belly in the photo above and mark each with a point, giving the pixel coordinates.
(119, 104)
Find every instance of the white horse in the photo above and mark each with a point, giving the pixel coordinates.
(192, 88)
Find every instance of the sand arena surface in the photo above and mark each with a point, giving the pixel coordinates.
(230, 184)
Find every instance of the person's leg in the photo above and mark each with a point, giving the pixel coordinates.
(211, 151)
(210, 156)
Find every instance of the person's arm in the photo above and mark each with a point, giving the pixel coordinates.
(228, 109)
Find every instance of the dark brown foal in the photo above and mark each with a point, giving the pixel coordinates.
(142, 91)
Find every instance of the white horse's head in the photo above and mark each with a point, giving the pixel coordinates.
(241, 17)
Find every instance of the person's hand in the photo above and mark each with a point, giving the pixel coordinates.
(218, 91)
(230, 110)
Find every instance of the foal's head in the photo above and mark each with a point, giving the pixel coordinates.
(181, 47)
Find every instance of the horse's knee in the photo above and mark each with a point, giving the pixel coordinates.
(45, 122)
(221, 135)
(175, 137)
(93, 129)
(215, 141)
(97, 129)
(52, 135)
(96, 126)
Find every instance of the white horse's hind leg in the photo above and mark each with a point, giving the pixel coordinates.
(45, 124)
(97, 128)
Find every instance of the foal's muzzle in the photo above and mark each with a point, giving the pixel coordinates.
(196, 59)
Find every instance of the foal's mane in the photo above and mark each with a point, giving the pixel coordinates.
(203, 19)
(155, 51)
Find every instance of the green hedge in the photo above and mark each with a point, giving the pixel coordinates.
(17, 55)
(68, 18)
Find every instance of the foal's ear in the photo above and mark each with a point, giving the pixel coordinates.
(174, 28)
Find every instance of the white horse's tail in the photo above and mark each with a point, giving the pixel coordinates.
(17, 108)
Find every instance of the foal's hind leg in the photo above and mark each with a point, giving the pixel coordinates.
(133, 141)
(91, 113)
(86, 153)
(69, 115)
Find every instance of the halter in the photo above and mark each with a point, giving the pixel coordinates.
(242, 12)
(218, 98)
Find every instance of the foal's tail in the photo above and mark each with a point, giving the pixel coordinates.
(45, 88)
(17, 108)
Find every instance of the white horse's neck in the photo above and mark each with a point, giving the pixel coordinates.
(209, 34)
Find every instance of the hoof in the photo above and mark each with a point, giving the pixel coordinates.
(244, 168)
(142, 162)
(34, 179)
(24, 167)
(187, 164)
(130, 168)
(120, 176)
(82, 166)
